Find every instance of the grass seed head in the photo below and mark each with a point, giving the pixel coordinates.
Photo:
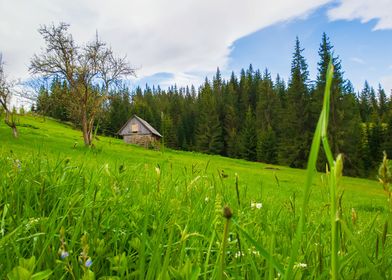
(227, 213)
(354, 216)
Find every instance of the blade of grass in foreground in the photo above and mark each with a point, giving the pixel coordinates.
(358, 246)
(321, 128)
(262, 251)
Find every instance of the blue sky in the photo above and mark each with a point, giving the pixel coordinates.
(366, 54)
(183, 41)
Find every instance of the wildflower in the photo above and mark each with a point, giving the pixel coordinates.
(300, 265)
(256, 253)
(239, 254)
(206, 199)
(88, 263)
(62, 250)
(257, 205)
(84, 258)
(31, 223)
(64, 254)
(18, 164)
(253, 251)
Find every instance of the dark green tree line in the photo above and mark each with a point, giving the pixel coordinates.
(254, 117)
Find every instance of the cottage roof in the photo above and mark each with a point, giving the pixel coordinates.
(144, 123)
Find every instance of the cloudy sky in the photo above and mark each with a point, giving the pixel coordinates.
(183, 41)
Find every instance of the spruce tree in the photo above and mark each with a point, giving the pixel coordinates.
(338, 119)
(267, 148)
(365, 105)
(382, 103)
(209, 130)
(248, 138)
(350, 143)
(231, 119)
(295, 136)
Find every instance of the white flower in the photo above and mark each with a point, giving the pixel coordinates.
(257, 205)
(300, 265)
(238, 254)
(257, 253)
(32, 222)
(253, 251)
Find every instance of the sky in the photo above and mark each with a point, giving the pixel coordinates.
(183, 41)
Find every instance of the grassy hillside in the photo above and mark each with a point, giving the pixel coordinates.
(145, 214)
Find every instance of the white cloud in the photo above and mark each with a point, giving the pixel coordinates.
(365, 11)
(175, 36)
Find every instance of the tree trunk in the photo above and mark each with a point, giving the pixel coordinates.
(85, 131)
(10, 121)
(15, 131)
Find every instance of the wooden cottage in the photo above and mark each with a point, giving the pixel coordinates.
(138, 131)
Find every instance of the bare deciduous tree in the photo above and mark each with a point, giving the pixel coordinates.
(90, 71)
(5, 96)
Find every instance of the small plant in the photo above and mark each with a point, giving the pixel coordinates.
(227, 214)
(25, 271)
(85, 260)
(385, 178)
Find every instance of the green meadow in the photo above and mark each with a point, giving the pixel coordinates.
(118, 211)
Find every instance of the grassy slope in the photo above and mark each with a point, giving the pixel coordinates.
(167, 228)
(56, 140)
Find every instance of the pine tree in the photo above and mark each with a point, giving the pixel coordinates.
(232, 137)
(376, 141)
(338, 120)
(280, 89)
(231, 127)
(168, 131)
(382, 103)
(243, 94)
(248, 137)
(267, 147)
(365, 106)
(352, 132)
(366, 157)
(268, 104)
(209, 131)
(374, 110)
(295, 138)
(119, 112)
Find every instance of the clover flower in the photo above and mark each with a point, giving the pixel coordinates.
(257, 205)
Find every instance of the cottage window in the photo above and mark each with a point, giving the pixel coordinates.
(134, 128)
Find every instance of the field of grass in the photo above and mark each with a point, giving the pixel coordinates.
(118, 211)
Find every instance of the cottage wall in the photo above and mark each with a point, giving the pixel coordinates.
(146, 140)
